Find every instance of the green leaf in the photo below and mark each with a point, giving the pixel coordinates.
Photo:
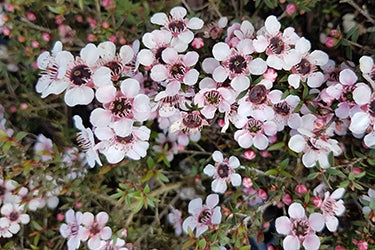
(245, 247)
(148, 176)
(344, 184)
(276, 146)
(372, 204)
(312, 176)
(146, 190)
(357, 186)
(188, 243)
(202, 243)
(272, 172)
(57, 10)
(162, 177)
(286, 174)
(138, 207)
(242, 94)
(20, 135)
(6, 147)
(150, 163)
(36, 239)
(337, 172)
(36, 226)
(284, 163)
(331, 159)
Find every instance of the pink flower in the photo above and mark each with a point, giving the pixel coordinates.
(14, 215)
(115, 244)
(167, 145)
(300, 229)
(73, 229)
(178, 25)
(223, 172)
(174, 218)
(332, 207)
(43, 148)
(361, 244)
(202, 216)
(190, 123)
(95, 229)
(197, 43)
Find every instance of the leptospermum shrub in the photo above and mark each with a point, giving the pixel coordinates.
(225, 135)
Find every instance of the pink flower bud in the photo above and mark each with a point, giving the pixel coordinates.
(300, 189)
(23, 106)
(221, 122)
(362, 244)
(46, 37)
(333, 32)
(317, 201)
(78, 204)
(10, 7)
(356, 170)
(60, 216)
(262, 194)
(270, 247)
(90, 37)
(247, 182)
(265, 154)
(92, 22)
(13, 109)
(106, 3)
(6, 31)
(79, 18)
(266, 225)
(291, 8)
(330, 42)
(31, 16)
(287, 199)
(112, 38)
(124, 233)
(249, 154)
(197, 43)
(59, 20)
(339, 247)
(105, 25)
(270, 74)
(35, 44)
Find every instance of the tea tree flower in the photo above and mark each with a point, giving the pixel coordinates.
(72, 229)
(367, 66)
(331, 207)
(14, 213)
(43, 148)
(223, 172)
(95, 229)
(174, 218)
(299, 229)
(202, 216)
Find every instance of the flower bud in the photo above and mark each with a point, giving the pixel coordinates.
(249, 154)
(197, 43)
(300, 189)
(60, 216)
(247, 182)
(291, 8)
(287, 199)
(317, 201)
(262, 194)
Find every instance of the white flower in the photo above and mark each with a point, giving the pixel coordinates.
(331, 207)
(223, 172)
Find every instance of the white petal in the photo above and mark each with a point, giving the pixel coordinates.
(194, 205)
(332, 223)
(235, 179)
(146, 57)
(217, 156)
(195, 23)
(283, 225)
(297, 143)
(78, 96)
(240, 83)
(294, 80)
(296, 211)
(315, 80)
(159, 18)
(318, 57)
(291, 243)
(272, 25)
(209, 170)
(338, 193)
(311, 242)
(220, 74)
(365, 64)
(191, 77)
(303, 45)
(221, 51)
(257, 66)
(90, 54)
(316, 221)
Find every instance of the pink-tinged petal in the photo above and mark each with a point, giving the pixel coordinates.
(87, 219)
(294, 121)
(316, 221)
(191, 77)
(220, 74)
(216, 216)
(106, 94)
(291, 243)
(200, 230)
(338, 193)
(146, 57)
(94, 242)
(315, 80)
(169, 55)
(90, 54)
(240, 83)
(100, 117)
(335, 91)
(318, 57)
(244, 140)
(270, 128)
(84, 235)
(207, 83)
(275, 62)
(159, 73)
(102, 77)
(272, 25)
(296, 211)
(64, 230)
(365, 64)
(159, 18)
(210, 64)
(283, 225)
(362, 94)
(219, 186)
(178, 12)
(24, 218)
(292, 57)
(190, 59)
(130, 87)
(297, 143)
(348, 77)
(217, 156)
(106, 233)
(79, 96)
(260, 141)
(114, 154)
(107, 50)
(126, 54)
(294, 80)
(303, 45)
(311, 242)
(369, 139)
(359, 122)
(102, 218)
(70, 216)
(260, 44)
(180, 45)
(209, 170)
(234, 162)
(236, 179)
(257, 66)
(195, 23)
(73, 243)
(309, 159)
(195, 205)
(245, 47)
(332, 223)
(221, 51)
(186, 37)
(212, 200)
(6, 209)
(189, 222)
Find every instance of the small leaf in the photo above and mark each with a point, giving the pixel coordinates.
(272, 172)
(150, 163)
(188, 243)
(36, 226)
(162, 177)
(202, 243)
(312, 176)
(276, 146)
(20, 135)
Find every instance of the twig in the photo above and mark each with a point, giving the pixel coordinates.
(260, 172)
(34, 26)
(362, 11)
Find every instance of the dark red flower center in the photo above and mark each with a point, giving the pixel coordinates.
(276, 45)
(258, 94)
(80, 75)
(237, 64)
